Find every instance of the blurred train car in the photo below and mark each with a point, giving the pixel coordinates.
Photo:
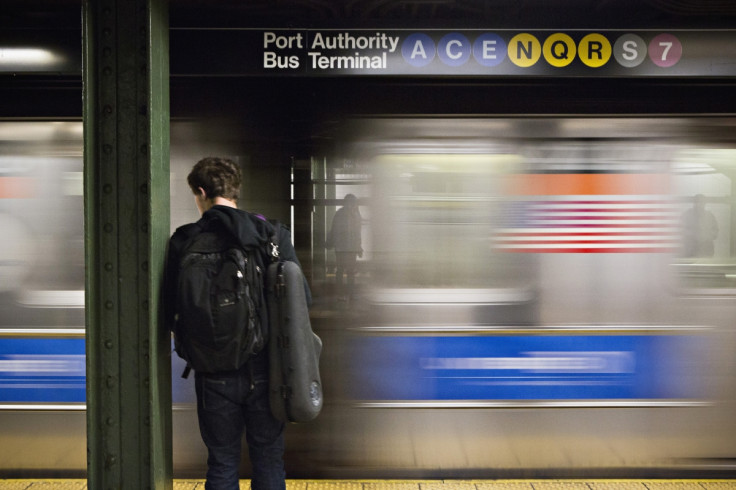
(546, 294)
(42, 360)
(528, 302)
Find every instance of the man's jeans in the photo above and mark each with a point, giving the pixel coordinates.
(227, 403)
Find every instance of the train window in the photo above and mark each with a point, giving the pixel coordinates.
(42, 218)
(434, 217)
(703, 183)
(527, 219)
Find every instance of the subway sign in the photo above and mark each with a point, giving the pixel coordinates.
(316, 52)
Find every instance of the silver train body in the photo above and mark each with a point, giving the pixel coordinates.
(535, 296)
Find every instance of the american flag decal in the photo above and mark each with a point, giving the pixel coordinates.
(591, 223)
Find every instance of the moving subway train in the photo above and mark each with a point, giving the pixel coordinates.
(535, 296)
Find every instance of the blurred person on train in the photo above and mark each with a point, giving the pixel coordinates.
(700, 229)
(344, 237)
(231, 402)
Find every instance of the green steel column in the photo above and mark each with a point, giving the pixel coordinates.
(126, 125)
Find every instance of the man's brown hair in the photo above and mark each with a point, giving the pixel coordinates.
(219, 177)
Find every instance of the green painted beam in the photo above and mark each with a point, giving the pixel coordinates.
(126, 124)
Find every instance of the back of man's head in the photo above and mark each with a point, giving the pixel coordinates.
(219, 177)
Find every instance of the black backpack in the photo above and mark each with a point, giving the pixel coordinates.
(218, 324)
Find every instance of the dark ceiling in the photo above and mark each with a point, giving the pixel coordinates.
(511, 14)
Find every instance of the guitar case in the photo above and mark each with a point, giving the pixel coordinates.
(294, 349)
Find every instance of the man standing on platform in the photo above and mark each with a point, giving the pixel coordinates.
(231, 402)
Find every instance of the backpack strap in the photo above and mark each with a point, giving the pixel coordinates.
(189, 231)
(273, 241)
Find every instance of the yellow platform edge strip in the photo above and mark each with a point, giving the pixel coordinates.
(428, 480)
(81, 483)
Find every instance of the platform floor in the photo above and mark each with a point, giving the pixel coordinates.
(582, 484)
